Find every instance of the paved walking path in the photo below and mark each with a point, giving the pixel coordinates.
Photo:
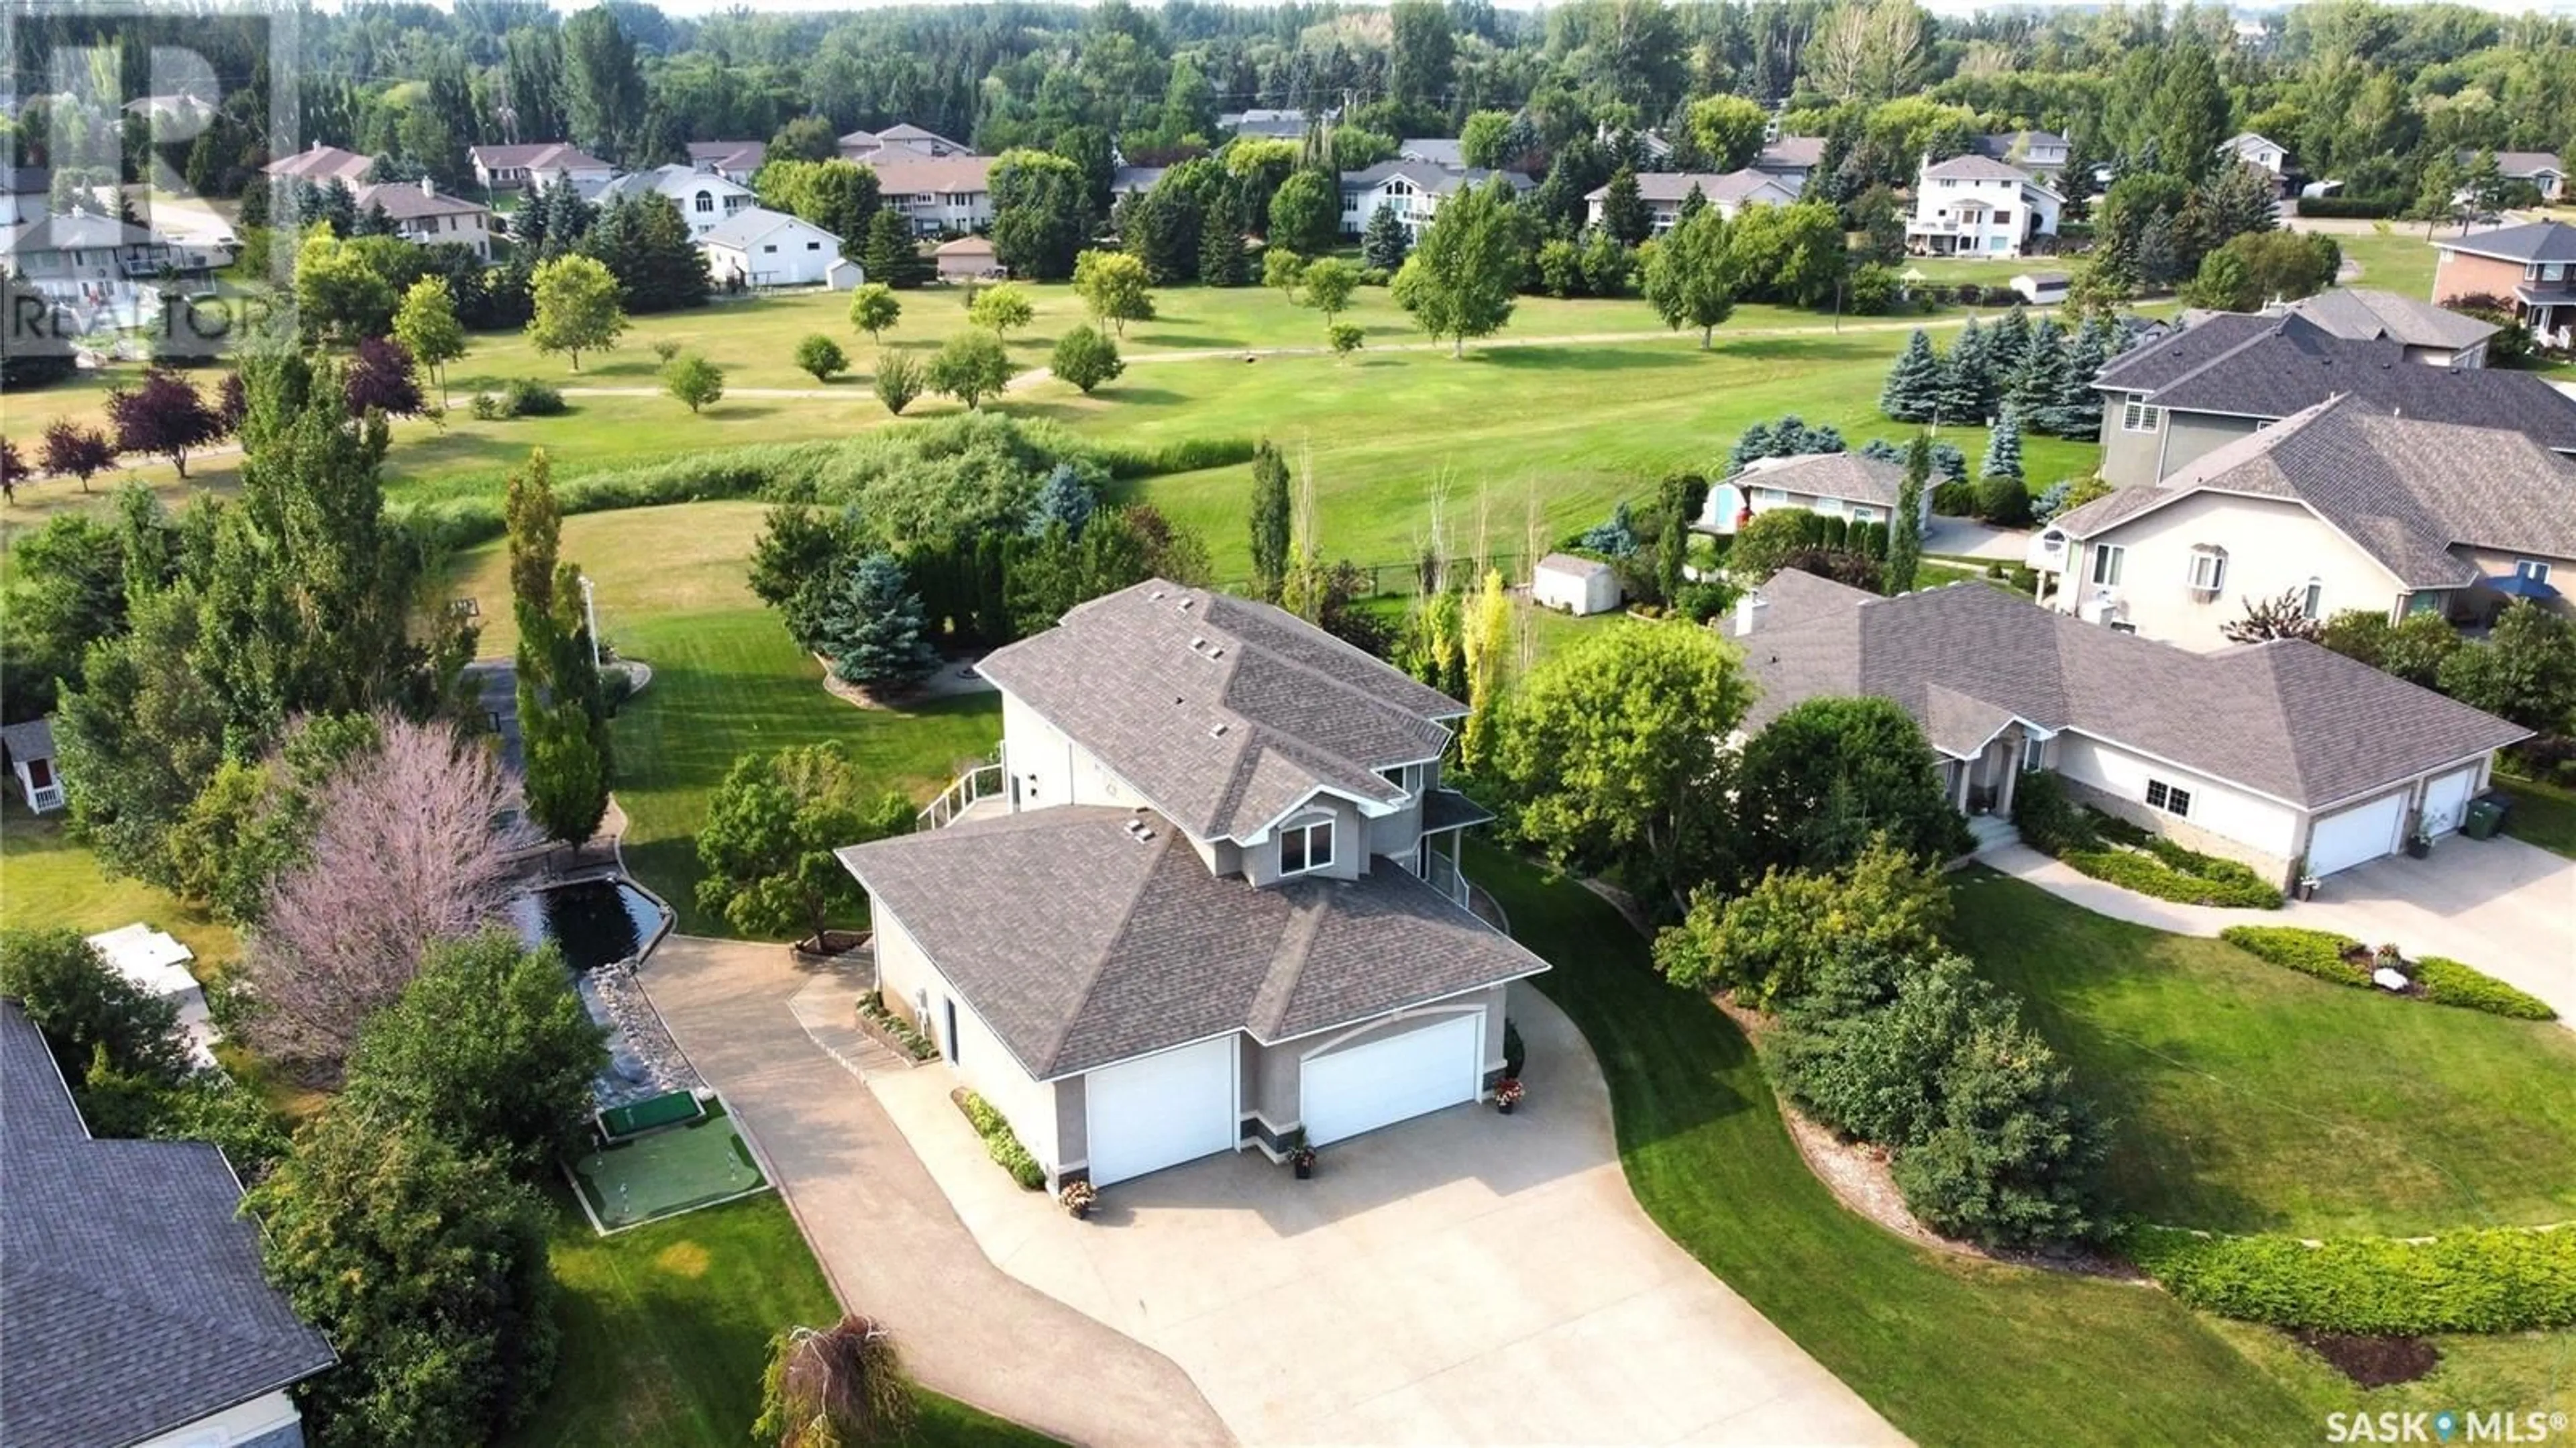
(2503, 906)
(769, 1037)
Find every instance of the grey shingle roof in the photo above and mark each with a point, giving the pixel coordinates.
(2406, 490)
(1575, 564)
(1081, 945)
(1431, 176)
(405, 201)
(33, 739)
(2366, 314)
(1844, 475)
(136, 1303)
(1973, 167)
(1792, 152)
(1713, 186)
(2286, 718)
(1447, 809)
(749, 225)
(1438, 150)
(1222, 712)
(2531, 241)
(729, 155)
(2268, 367)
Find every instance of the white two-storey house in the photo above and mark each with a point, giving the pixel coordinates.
(1979, 206)
(1207, 900)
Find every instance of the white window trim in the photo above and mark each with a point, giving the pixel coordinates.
(2535, 569)
(2312, 598)
(2137, 416)
(2034, 752)
(1305, 831)
(2207, 570)
(2107, 558)
(2172, 793)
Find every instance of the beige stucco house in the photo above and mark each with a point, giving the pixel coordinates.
(2171, 402)
(2338, 506)
(2283, 755)
(1664, 192)
(1839, 485)
(1214, 903)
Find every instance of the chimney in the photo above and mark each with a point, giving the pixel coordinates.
(1748, 613)
(428, 187)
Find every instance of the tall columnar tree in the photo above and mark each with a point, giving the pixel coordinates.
(1221, 255)
(1690, 278)
(893, 256)
(1383, 243)
(1460, 282)
(1913, 387)
(1905, 530)
(1484, 640)
(1042, 214)
(563, 711)
(1272, 517)
(874, 628)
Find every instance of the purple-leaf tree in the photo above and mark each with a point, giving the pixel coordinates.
(165, 417)
(232, 402)
(382, 379)
(74, 451)
(407, 849)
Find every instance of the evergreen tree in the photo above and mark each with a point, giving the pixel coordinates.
(1905, 530)
(874, 627)
(1948, 463)
(1623, 211)
(1914, 384)
(2007, 344)
(1271, 517)
(1694, 201)
(1384, 243)
(645, 243)
(1221, 261)
(1965, 386)
(1063, 499)
(2003, 450)
(891, 256)
(563, 712)
(2076, 411)
(2034, 386)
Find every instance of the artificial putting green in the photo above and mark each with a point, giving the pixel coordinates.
(667, 1173)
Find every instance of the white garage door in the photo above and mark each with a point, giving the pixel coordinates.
(1366, 1087)
(1160, 1110)
(2346, 839)
(2446, 800)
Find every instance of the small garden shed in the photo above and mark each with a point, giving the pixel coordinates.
(1574, 585)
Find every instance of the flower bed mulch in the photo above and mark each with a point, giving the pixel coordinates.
(2373, 1362)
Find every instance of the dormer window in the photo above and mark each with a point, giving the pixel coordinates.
(1306, 847)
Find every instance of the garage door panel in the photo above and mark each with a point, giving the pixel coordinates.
(1159, 1110)
(2351, 837)
(2446, 800)
(1344, 1093)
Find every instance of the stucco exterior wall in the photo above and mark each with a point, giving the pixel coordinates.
(2191, 436)
(983, 1065)
(2499, 563)
(2272, 546)
(2128, 458)
(1047, 768)
(1350, 843)
(2225, 821)
(1271, 1074)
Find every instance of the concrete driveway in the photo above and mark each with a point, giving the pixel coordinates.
(1462, 1278)
(2506, 907)
(880, 1226)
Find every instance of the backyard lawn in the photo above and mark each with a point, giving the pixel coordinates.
(2249, 1098)
(1946, 1348)
(666, 1330)
(2542, 814)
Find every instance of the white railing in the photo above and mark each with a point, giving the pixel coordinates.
(47, 798)
(981, 782)
(1443, 875)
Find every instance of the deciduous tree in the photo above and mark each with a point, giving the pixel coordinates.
(426, 324)
(838, 1387)
(1306, 214)
(1002, 308)
(692, 379)
(165, 416)
(874, 309)
(821, 358)
(1271, 519)
(1690, 276)
(577, 308)
(970, 367)
(1460, 282)
(74, 451)
(1113, 285)
(1086, 359)
(1330, 283)
(771, 830)
(1828, 775)
(898, 381)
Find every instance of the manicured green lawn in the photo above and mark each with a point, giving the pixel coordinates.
(666, 1330)
(1951, 1351)
(2542, 814)
(643, 563)
(2399, 261)
(49, 879)
(2251, 1098)
(728, 683)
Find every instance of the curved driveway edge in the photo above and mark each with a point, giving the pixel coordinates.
(1462, 1278)
(884, 1232)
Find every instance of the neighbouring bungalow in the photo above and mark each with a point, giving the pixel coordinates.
(2427, 333)
(736, 161)
(322, 165)
(2531, 269)
(2340, 506)
(2546, 173)
(968, 259)
(1215, 903)
(536, 166)
(139, 1315)
(2166, 404)
(1838, 485)
(1664, 191)
(2282, 755)
(426, 216)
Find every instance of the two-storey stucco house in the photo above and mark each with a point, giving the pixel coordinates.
(707, 198)
(898, 142)
(1221, 907)
(322, 165)
(2529, 268)
(1838, 485)
(943, 195)
(2171, 402)
(1665, 191)
(2283, 755)
(538, 165)
(736, 161)
(1414, 188)
(2042, 153)
(1978, 206)
(425, 216)
(2340, 507)
(138, 1312)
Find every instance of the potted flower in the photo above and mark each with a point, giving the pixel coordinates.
(1077, 1199)
(1507, 1094)
(1301, 1156)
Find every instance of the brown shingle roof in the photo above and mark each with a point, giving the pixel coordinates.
(1845, 475)
(1083, 945)
(1223, 712)
(901, 173)
(2285, 718)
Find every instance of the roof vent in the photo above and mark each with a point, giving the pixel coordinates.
(1144, 837)
(1185, 605)
(1197, 642)
(1218, 731)
(1217, 652)
(1157, 594)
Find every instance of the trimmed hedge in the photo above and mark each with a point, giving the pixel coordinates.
(2499, 1279)
(2446, 982)
(1000, 1142)
(2350, 208)
(2220, 882)
(1135, 460)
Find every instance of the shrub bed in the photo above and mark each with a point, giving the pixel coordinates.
(2497, 1280)
(2340, 959)
(1001, 1142)
(893, 1029)
(2222, 882)
(2353, 208)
